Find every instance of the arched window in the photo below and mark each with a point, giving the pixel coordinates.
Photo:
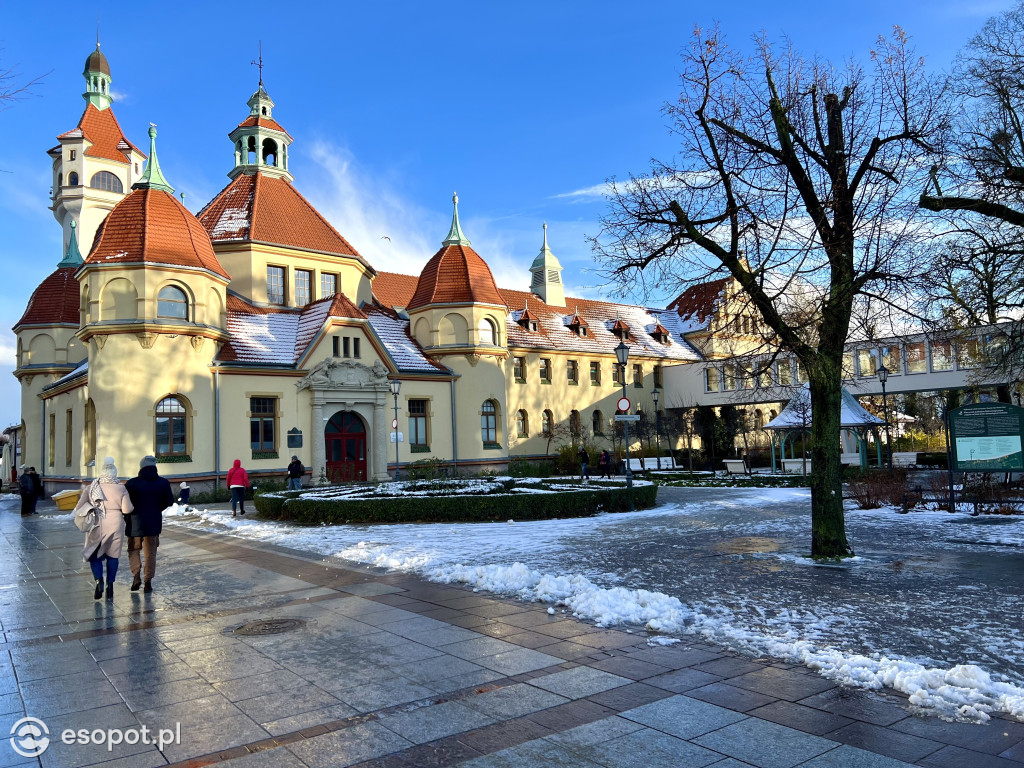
(522, 424)
(73, 179)
(575, 426)
(171, 420)
(545, 423)
(488, 333)
(60, 179)
(598, 423)
(172, 302)
(489, 422)
(269, 152)
(106, 180)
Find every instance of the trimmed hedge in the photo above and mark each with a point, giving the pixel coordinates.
(452, 509)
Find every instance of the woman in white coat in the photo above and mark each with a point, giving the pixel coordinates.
(103, 543)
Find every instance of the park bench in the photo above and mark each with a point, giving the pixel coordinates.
(795, 466)
(904, 459)
(736, 466)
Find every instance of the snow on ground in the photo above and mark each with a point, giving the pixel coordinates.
(731, 569)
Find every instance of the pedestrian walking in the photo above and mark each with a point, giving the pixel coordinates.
(604, 463)
(584, 458)
(37, 487)
(183, 493)
(27, 491)
(295, 473)
(238, 481)
(150, 495)
(104, 542)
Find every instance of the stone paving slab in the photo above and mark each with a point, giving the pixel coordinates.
(388, 671)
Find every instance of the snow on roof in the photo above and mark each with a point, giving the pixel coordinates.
(797, 412)
(268, 338)
(79, 371)
(393, 334)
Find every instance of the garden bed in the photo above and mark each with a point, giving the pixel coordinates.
(482, 500)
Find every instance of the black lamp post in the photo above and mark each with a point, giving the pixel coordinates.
(883, 376)
(656, 396)
(622, 355)
(396, 386)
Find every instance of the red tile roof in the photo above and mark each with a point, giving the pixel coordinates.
(699, 301)
(263, 122)
(236, 303)
(55, 301)
(456, 275)
(340, 306)
(100, 127)
(394, 290)
(267, 209)
(151, 226)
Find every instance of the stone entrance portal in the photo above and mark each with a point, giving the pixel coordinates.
(348, 396)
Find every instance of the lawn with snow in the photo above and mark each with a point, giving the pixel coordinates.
(931, 606)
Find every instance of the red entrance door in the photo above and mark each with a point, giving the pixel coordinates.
(345, 440)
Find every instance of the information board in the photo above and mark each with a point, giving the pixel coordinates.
(986, 437)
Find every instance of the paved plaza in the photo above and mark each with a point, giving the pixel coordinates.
(359, 667)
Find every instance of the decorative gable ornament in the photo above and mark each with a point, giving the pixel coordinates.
(345, 374)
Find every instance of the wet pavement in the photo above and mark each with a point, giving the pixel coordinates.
(355, 666)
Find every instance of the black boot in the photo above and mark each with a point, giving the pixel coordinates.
(110, 591)
(99, 590)
(136, 582)
(148, 587)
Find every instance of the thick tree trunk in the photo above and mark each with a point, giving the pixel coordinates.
(828, 523)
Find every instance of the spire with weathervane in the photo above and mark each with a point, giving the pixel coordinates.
(261, 144)
(97, 78)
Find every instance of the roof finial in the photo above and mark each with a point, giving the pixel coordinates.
(152, 178)
(259, 63)
(545, 235)
(455, 235)
(72, 256)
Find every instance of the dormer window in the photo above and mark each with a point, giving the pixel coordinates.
(578, 325)
(660, 334)
(527, 321)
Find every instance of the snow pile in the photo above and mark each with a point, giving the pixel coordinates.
(964, 692)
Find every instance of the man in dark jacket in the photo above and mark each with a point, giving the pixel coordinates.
(150, 495)
(27, 490)
(295, 473)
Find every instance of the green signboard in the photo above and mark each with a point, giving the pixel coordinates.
(986, 437)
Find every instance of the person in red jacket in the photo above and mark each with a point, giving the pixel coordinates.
(238, 481)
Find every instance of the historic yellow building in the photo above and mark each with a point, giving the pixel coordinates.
(255, 330)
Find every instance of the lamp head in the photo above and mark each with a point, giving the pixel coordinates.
(655, 396)
(883, 374)
(622, 353)
(395, 386)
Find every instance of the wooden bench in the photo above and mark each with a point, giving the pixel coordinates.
(736, 466)
(904, 459)
(795, 466)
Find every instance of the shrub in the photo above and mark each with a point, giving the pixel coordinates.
(427, 469)
(316, 510)
(525, 468)
(881, 487)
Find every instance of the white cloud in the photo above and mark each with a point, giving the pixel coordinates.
(392, 233)
(586, 194)
(8, 352)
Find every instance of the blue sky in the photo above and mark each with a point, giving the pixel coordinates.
(524, 108)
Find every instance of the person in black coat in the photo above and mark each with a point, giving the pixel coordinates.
(150, 494)
(27, 490)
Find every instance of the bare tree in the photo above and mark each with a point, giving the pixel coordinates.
(14, 87)
(792, 172)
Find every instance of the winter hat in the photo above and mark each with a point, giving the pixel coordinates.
(108, 472)
(183, 484)
(148, 461)
(295, 458)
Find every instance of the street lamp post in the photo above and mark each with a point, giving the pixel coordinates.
(622, 355)
(655, 396)
(883, 376)
(396, 386)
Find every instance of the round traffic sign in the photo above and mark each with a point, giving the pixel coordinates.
(394, 423)
(623, 404)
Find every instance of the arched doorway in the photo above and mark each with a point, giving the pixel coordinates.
(345, 444)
